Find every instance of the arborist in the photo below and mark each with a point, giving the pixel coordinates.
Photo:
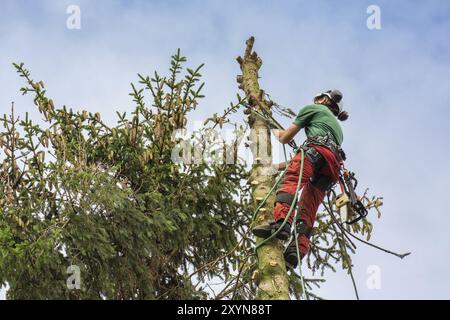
(321, 167)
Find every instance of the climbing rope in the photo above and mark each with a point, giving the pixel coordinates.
(287, 215)
(346, 232)
(272, 122)
(276, 125)
(263, 202)
(299, 258)
(291, 207)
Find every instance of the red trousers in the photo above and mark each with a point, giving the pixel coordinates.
(311, 196)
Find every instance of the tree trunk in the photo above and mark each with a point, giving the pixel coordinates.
(271, 276)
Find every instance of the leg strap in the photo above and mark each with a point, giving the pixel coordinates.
(284, 197)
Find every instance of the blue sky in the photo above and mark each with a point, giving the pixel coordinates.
(395, 83)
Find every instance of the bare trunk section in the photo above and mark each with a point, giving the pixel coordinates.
(271, 276)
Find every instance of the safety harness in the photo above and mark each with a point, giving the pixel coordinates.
(328, 142)
(348, 202)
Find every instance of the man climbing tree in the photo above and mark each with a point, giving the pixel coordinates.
(321, 164)
(315, 167)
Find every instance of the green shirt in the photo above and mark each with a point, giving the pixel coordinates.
(318, 120)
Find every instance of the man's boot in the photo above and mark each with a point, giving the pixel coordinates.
(267, 229)
(290, 256)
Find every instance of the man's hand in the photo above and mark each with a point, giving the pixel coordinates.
(277, 133)
(286, 136)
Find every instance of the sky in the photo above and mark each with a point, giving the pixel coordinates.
(395, 82)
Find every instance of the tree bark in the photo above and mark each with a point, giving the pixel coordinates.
(270, 277)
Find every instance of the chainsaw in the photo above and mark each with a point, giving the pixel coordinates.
(348, 202)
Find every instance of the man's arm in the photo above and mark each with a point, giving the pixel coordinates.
(286, 136)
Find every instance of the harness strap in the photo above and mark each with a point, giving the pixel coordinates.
(328, 142)
(301, 226)
(285, 197)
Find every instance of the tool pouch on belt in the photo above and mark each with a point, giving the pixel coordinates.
(315, 158)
